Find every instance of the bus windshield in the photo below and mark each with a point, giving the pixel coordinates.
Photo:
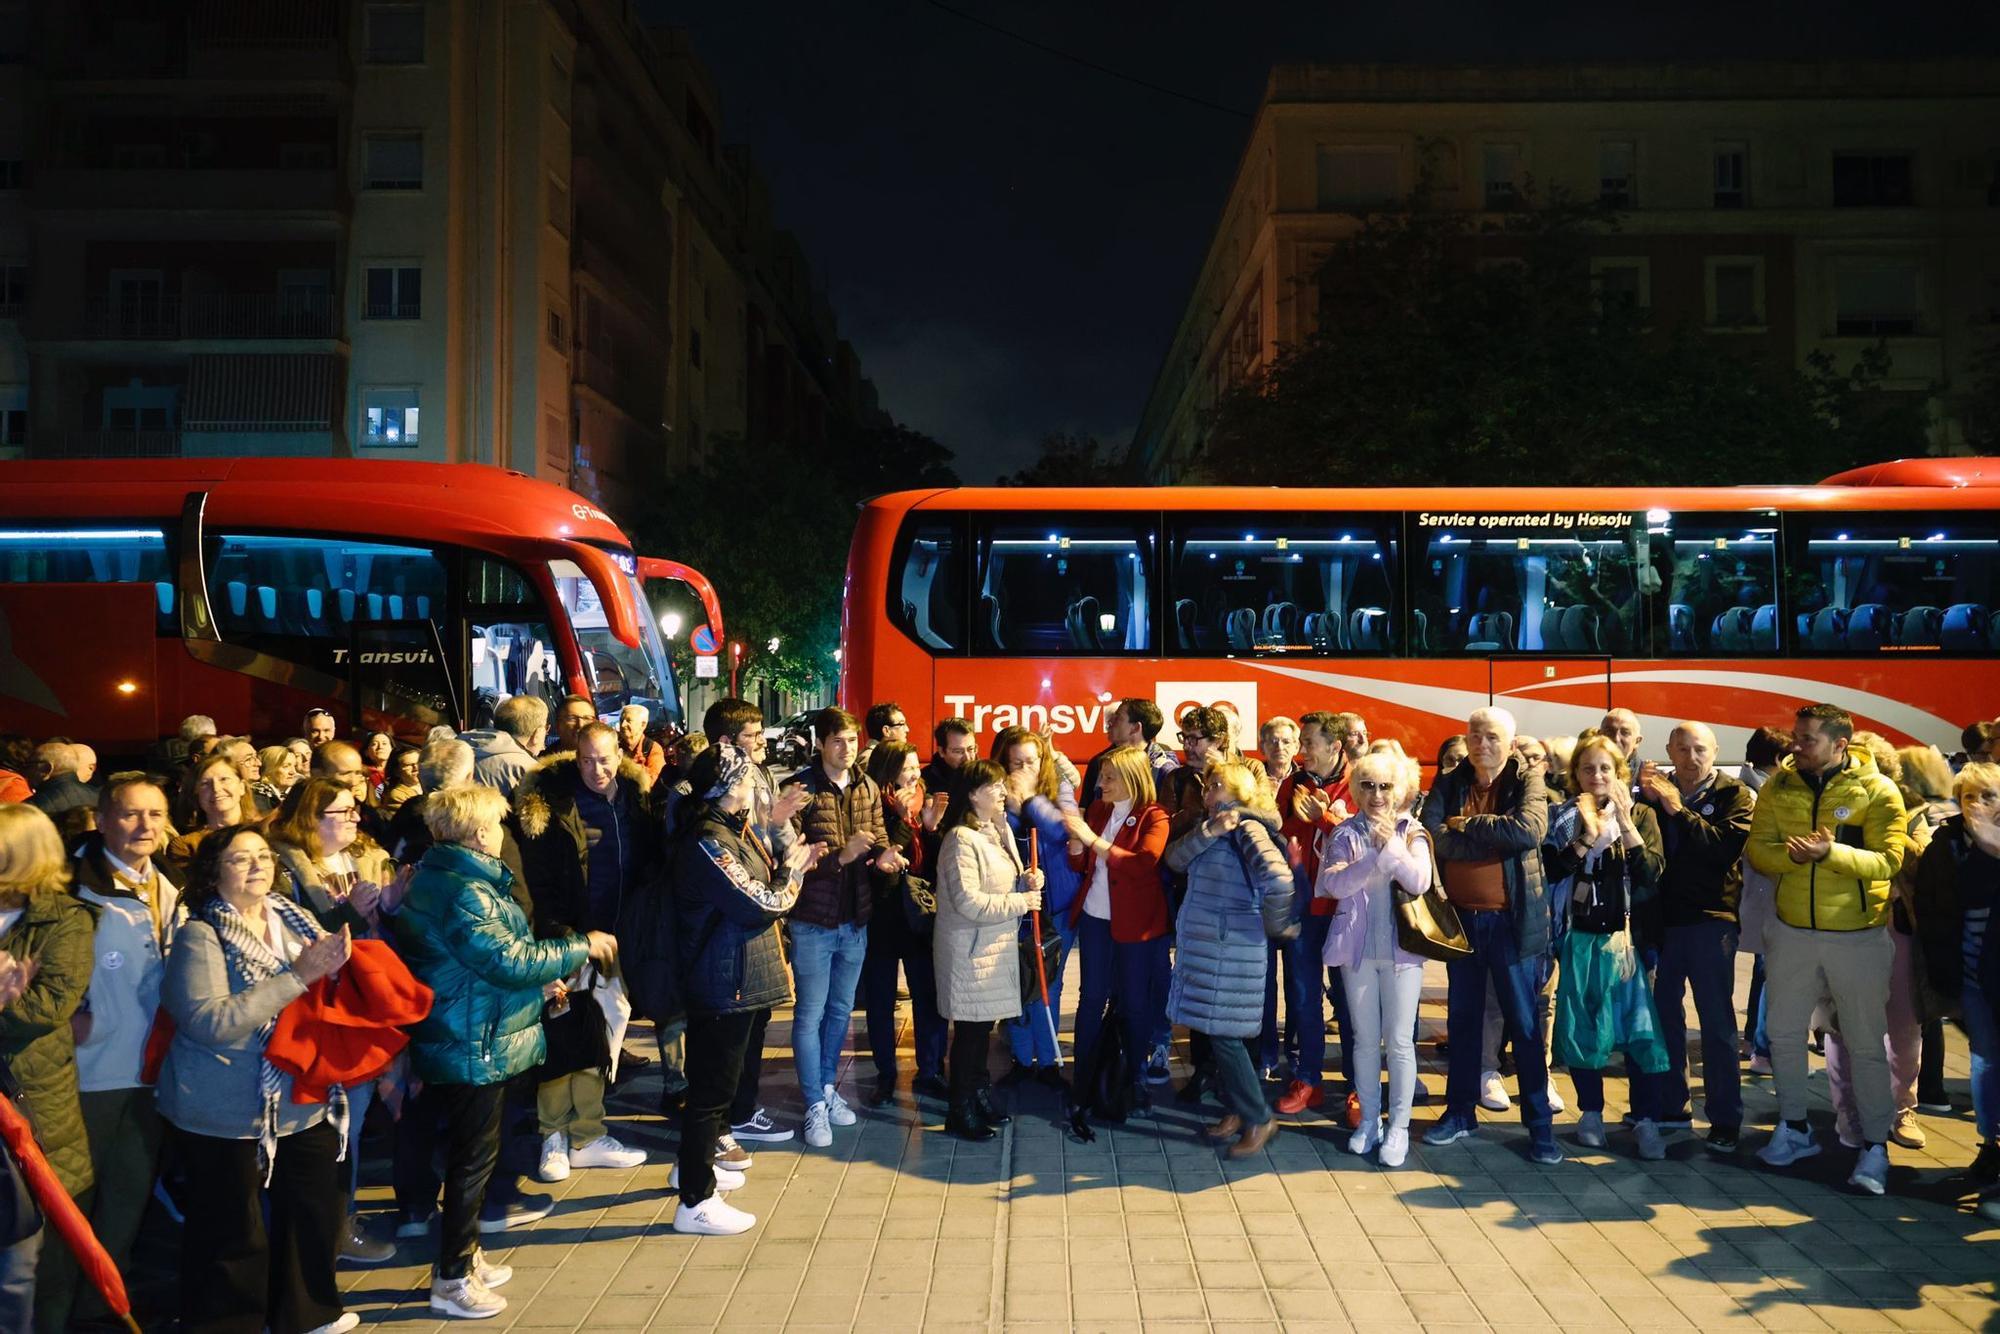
(619, 675)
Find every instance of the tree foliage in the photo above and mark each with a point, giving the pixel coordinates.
(1453, 350)
(1070, 460)
(770, 523)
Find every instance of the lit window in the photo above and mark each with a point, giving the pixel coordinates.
(389, 417)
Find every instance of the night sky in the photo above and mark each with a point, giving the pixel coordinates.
(1009, 237)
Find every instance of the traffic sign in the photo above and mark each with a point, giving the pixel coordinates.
(703, 639)
(707, 666)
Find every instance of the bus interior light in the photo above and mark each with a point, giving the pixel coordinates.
(1658, 516)
(1107, 622)
(84, 535)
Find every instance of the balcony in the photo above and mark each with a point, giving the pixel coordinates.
(262, 315)
(224, 190)
(616, 379)
(242, 439)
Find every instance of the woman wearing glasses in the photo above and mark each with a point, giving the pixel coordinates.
(245, 955)
(1376, 856)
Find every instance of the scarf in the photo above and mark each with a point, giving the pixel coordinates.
(250, 961)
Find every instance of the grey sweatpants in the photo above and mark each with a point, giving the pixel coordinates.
(1852, 969)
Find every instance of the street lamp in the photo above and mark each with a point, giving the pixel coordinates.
(772, 647)
(670, 623)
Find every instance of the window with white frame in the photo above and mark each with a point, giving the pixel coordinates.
(558, 327)
(395, 34)
(389, 416)
(1732, 174)
(1500, 171)
(1358, 176)
(1877, 296)
(1617, 173)
(393, 161)
(1735, 291)
(392, 292)
(1622, 283)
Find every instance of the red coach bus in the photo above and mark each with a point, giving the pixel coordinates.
(1878, 590)
(398, 595)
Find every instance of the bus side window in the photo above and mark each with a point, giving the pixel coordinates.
(1282, 583)
(1478, 593)
(1722, 585)
(1066, 585)
(1906, 582)
(927, 584)
(62, 554)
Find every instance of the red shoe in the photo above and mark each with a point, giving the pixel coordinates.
(1353, 1117)
(1300, 1095)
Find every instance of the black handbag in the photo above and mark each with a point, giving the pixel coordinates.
(919, 904)
(1051, 956)
(578, 1037)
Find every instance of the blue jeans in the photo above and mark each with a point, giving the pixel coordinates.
(1516, 982)
(1032, 1038)
(1755, 1031)
(1236, 1084)
(891, 944)
(359, 1098)
(826, 966)
(1306, 994)
(1132, 970)
(1982, 1032)
(1163, 980)
(17, 1280)
(1702, 955)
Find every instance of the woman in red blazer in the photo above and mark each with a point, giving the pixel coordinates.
(1120, 915)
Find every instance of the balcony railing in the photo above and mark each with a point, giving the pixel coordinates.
(302, 190)
(255, 315)
(105, 444)
(209, 440)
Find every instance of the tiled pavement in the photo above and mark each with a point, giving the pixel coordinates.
(900, 1227)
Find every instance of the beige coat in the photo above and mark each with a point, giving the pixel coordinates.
(979, 907)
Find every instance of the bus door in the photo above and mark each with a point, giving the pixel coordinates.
(1549, 693)
(398, 671)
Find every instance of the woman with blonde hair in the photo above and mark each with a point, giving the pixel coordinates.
(278, 773)
(1603, 856)
(1373, 860)
(1234, 863)
(42, 923)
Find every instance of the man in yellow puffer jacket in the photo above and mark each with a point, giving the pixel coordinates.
(1829, 830)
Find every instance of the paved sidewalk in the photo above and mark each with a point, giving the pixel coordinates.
(899, 1227)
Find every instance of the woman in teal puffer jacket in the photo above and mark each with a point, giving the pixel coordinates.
(464, 937)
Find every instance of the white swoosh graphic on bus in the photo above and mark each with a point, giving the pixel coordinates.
(1550, 718)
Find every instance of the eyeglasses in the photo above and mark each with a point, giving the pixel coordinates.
(243, 861)
(341, 813)
(1025, 762)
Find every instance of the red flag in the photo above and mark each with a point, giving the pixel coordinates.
(61, 1211)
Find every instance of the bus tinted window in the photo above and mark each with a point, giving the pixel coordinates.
(265, 588)
(927, 584)
(1869, 583)
(1494, 584)
(1065, 584)
(1722, 595)
(513, 651)
(619, 675)
(91, 556)
(1282, 584)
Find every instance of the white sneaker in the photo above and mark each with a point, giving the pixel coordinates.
(713, 1217)
(1395, 1148)
(837, 1110)
(818, 1133)
(1366, 1136)
(1647, 1133)
(1590, 1130)
(725, 1178)
(1871, 1170)
(340, 1326)
(605, 1151)
(466, 1298)
(1492, 1093)
(490, 1275)
(1787, 1146)
(1556, 1103)
(555, 1157)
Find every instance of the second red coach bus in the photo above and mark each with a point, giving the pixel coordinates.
(1878, 591)
(398, 595)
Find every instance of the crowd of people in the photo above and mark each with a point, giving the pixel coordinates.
(217, 968)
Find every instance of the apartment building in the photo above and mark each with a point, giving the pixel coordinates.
(499, 231)
(1791, 207)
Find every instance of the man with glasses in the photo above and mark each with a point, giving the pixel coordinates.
(137, 904)
(1312, 800)
(885, 722)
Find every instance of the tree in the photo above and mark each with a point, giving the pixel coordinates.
(769, 522)
(1070, 460)
(1456, 351)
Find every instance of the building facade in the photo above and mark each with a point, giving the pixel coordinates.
(1794, 207)
(497, 231)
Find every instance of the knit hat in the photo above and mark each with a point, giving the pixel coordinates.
(730, 765)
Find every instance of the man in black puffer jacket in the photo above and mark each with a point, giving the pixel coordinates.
(587, 837)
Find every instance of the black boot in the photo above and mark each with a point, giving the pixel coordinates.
(1191, 1090)
(884, 1094)
(988, 1110)
(1079, 1126)
(964, 1121)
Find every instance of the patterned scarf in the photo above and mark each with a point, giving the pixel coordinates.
(250, 962)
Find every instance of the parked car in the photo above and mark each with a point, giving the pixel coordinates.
(789, 744)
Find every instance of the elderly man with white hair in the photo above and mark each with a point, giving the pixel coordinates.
(1487, 819)
(1704, 821)
(59, 788)
(635, 745)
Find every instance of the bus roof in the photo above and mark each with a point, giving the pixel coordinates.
(450, 502)
(1879, 488)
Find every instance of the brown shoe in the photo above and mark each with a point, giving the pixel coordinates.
(1226, 1128)
(1254, 1139)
